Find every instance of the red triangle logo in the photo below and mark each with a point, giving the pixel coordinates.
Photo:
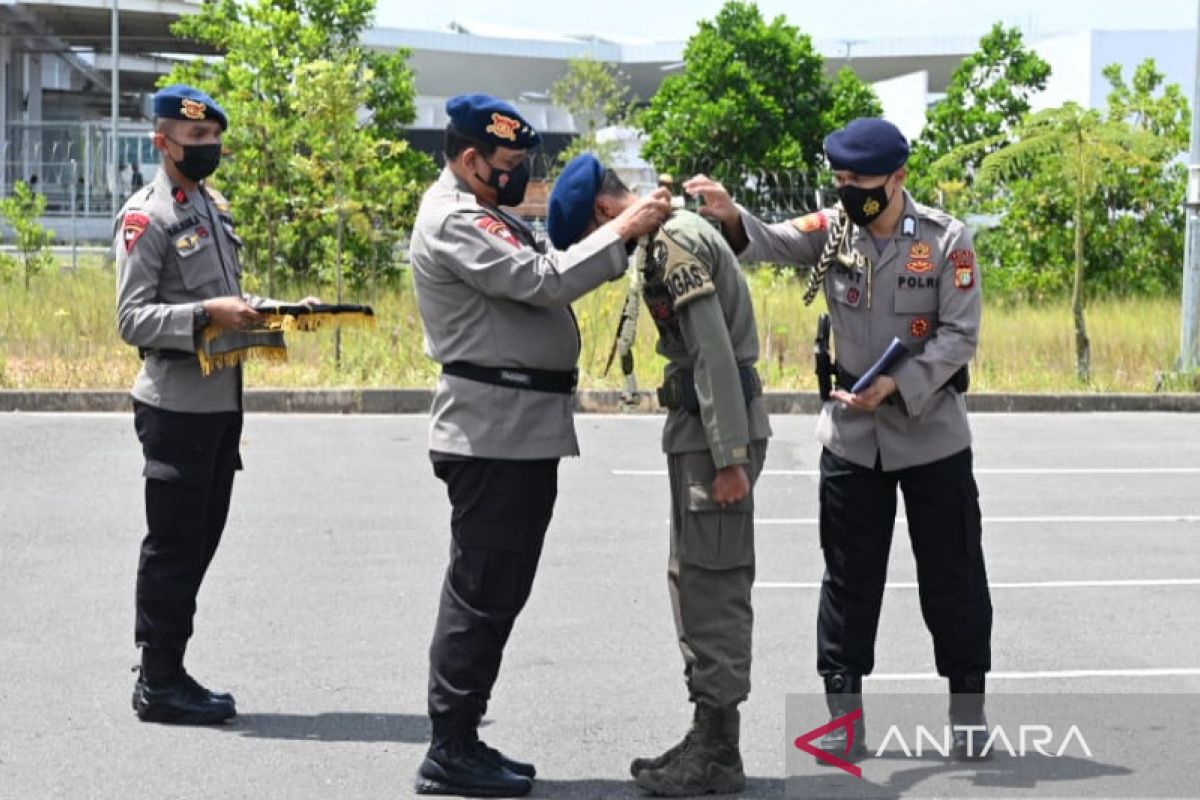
(846, 721)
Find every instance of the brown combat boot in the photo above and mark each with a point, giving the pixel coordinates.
(710, 763)
(639, 765)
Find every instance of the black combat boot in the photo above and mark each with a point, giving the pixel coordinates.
(710, 762)
(180, 700)
(466, 767)
(966, 709)
(843, 695)
(660, 761)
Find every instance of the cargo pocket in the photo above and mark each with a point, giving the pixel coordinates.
(714, 537)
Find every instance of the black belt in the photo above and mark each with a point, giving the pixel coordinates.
(679, 391)
(960, 381)
(554, 381)
(169, 355)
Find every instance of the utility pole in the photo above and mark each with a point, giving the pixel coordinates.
(1189, 348)
(114, 168)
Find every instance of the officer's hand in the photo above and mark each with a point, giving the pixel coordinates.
(231, 312)
(870, 398)
(718, 205)
(310, 301)
(730, 485)
(644, 216)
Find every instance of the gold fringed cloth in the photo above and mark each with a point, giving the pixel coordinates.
(224, 347)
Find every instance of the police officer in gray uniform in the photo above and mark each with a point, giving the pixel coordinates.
(495, 305)
(178, 272)
(715, 438)
(889, 267)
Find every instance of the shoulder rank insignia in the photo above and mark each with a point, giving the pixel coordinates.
(686, 278)
(132, 228)
(218, 199)
(498, 229)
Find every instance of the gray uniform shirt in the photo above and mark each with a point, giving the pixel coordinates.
(489, 298)
(705, 321)
(926, 292)
(175, 249)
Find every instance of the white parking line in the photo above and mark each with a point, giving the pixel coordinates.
(812, 473)
(1097, 584)
(1158, 519)
(1169, 672)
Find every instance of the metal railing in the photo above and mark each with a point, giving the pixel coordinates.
(69, 163)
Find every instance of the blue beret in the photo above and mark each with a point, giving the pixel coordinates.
(491, 120)
(187, 103)
(867, 146)
(572, 200)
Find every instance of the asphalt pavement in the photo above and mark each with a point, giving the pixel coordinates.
(318, 610)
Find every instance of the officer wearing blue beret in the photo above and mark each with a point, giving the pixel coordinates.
(496, 308)
(715, 437)
(890, 268)
(178, 272)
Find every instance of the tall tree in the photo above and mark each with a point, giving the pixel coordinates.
(749, 106)
(989, 94)
(852, 98)
(267, 45)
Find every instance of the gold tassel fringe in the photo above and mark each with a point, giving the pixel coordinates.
(233, 358)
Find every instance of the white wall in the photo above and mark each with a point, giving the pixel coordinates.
(1071, 71)
(1077, 62)
(904, 100)
(1174, 53)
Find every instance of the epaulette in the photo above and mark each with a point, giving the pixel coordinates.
(935, 215)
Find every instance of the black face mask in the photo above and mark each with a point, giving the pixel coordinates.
(199, 160)
(863, 206)
(509, 184)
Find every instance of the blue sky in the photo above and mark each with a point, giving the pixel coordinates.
(850, 19)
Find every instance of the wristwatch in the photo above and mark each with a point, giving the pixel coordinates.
(200, 317)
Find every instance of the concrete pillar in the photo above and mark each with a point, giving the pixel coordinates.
(5, 101)
(31, 93)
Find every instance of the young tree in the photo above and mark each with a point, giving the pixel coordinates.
(1077, 147)
(1134, 221)
(266, 47)
(23, 210)
(596, 94)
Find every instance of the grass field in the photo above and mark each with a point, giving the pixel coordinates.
(62, 335)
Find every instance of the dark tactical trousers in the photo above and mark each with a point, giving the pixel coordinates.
(501, 510)
(190, 463)
(710, 575)
(858, 511)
